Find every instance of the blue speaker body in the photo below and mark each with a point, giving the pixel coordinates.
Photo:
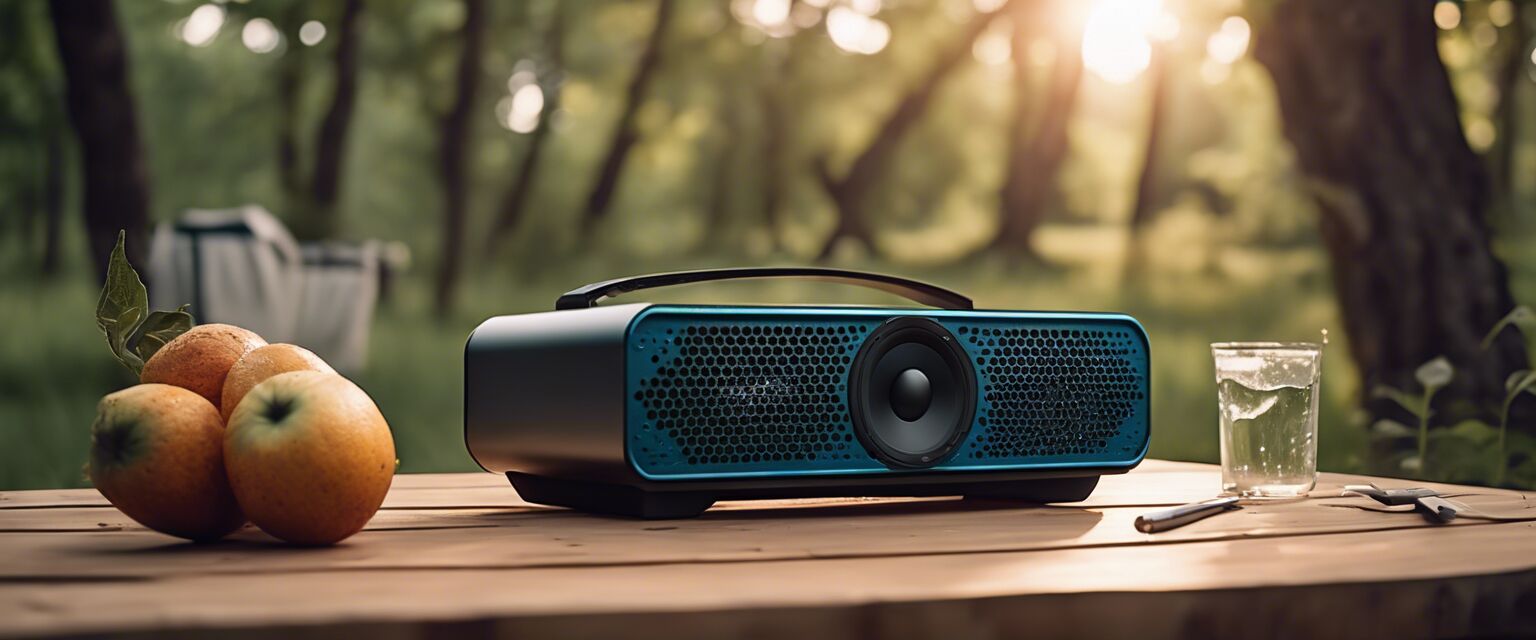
(658, 410)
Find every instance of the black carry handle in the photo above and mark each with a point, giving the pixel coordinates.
(919, 292)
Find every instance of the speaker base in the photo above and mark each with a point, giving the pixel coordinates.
(636, 502)
(610, 499)
(1036, 491)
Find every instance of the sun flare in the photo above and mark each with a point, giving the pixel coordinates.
(1118, 35)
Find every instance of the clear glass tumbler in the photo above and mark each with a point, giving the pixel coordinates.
(1267, 393)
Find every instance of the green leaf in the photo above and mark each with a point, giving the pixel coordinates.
(1386, 428)
(1476, 432)
(1409, 403)
(159, 328)
(1435, 374)
(123, 305)
(1524, 319)
(1520, 381)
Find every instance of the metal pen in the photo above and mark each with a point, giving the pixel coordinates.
(1182, 515)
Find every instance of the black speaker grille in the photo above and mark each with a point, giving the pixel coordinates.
(1051, 392)
(716, 394)
(734, 393)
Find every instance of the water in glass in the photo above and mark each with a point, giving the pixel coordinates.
(1268, 393)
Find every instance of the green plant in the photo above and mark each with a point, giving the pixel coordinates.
(1432, 376)
(1522, 381)
(122, 312)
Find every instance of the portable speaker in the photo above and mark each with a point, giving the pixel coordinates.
(658, 410)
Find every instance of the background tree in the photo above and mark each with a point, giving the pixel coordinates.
(1030, 178)
(315, 199)
(452, 154)
(33, 118)
(600, 197)
(514, 200)
(1146, 201)
(1510, 74)
(102, 111)
(1368, 107)
(850, 191)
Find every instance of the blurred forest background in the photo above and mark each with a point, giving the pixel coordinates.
(1223, 170)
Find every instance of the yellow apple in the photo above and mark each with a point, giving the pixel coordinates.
(262, 363)
(200, 359)
(157, 454)
(309, 456)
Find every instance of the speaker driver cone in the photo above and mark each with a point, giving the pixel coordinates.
(912, 393)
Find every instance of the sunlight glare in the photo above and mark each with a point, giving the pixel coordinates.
(1229, 42)
(259, 36)
(993, 47)
(312, 33)
(855, 32)
(519, 79)
(1501, 12)
(203, 25)
(1115, 39)
(988, 6)
(866, 7)
(520, 111)
(770, 13)
(1447, 15)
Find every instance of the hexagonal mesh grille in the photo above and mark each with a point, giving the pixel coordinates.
(729, 393)
(722, 394)
(1052, 391)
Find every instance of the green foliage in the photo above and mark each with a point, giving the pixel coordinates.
(1522, 318)
(122, 313)
(159, 328)
(122, 307)
(1432, 377)
(1523, 381)
(1470, 451)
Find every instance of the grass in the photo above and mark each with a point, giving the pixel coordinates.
(54, 365)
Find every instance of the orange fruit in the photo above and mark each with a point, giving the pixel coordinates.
(200, 359)
(262, 363)
(157, 454)
(309, 457)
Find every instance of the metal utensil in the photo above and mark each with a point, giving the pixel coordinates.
(1426, 501)
(1182, 515)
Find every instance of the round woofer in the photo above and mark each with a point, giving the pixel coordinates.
(912, 393)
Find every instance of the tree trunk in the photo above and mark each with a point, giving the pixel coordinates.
(52, 200)
(290, 76)
(775, 130)
(452, 154)
(600, 198)
(1368, 107)
(331, 143)
(515, 200)
(850, 191)
(719, 174)
(1031, 180)
(1511, 75)
(1146, 184)
(101, 110)
(776, 106)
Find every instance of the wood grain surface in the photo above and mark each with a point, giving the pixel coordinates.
(460, 555)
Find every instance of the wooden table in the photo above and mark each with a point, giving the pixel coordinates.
(461, 556)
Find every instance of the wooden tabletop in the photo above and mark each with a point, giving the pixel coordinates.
(460, 555)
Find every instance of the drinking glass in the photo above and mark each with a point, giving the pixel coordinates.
(1267, 393)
